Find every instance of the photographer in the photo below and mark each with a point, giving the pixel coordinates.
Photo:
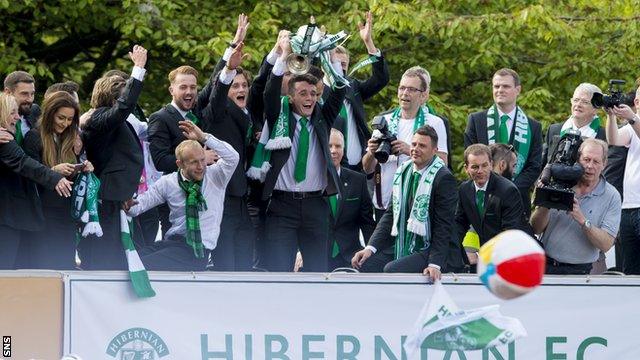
(584, 118)
(401, 123)
(628, 136)
(574, 239)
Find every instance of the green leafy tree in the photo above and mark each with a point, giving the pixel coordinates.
(553, 45)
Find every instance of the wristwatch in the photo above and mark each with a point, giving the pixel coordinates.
(587, 224)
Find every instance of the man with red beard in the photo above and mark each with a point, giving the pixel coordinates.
(21, 85)
(187, 104)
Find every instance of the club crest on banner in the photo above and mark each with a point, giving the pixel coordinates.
(137, 344)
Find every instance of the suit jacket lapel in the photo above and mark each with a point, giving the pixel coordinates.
(470, 193)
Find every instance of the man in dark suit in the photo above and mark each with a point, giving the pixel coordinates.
(20, 209)
(21, 85)
(584, 118)
(351, 212)
(487, 201)
(115, 151)
(414, 234)
(506, 123)
(235, 125)
(353, 118)
(301, 171)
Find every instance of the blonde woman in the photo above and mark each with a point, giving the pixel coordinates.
(20, 209)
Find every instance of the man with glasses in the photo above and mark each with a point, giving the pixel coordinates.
(505, 122)
(403, 121)
(584, 118)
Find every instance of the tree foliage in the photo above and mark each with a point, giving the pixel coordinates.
(553, 45)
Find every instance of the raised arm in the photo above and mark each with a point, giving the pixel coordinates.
(380, 71)
(220, 172)
(103, 122)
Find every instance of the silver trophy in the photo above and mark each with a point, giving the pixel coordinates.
(311, 42)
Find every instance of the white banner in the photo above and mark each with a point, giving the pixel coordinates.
(253, 316)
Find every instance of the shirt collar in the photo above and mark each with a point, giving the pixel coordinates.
(182, 112)
(421, 171)
(599, 189)
(483, 188)
(511, 114)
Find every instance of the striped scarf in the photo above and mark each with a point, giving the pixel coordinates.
(589, 132)
(195, 203)
(137, 272)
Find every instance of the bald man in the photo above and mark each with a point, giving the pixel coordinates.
(193, 195)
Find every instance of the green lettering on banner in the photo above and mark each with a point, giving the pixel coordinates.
(379, 345)
(248, 347)
(269, 353)
(226, 354)
(588, 341)
(497, 355)
(308, 354)
(340, 347)
(554, 340)
(461, 355)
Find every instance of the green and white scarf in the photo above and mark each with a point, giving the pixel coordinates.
(419, 121)
(195, 203)
(521, 139)
(371, 59)
(84, 204)
(589, 132)
(419, 223)
(137, 272)
(270, 140)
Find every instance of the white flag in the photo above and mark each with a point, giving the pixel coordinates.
(443, 326)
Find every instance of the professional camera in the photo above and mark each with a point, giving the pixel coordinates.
(561, 174)
(616, 98)
(384, 138)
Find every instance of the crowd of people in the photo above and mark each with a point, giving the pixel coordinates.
(282, 171)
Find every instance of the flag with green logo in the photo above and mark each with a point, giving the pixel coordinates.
(443, 326)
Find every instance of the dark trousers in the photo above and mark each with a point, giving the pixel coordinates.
(383, 261)
(234, 250)
(294, 224)
(258, 213)
(554, 267)
(149, 224)
(9, 244)
(630, 241)
(107, 252)
(172, 255)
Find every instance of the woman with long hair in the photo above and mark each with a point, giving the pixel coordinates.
(53, 143)
(20, 209)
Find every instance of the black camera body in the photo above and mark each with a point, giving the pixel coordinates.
(384, 139)
(615, 97)
(561, 174)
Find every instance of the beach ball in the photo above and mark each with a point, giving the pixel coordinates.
(511, 264)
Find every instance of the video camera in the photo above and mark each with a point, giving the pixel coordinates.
(384, 138)
(561, 174)
(616, 98)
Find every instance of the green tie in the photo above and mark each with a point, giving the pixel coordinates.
(333, 203)
(504, 132)
(192, 117)
(480, 201)
(345, 116)
(18, 135)
(300, 172)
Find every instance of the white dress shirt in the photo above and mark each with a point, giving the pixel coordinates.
(214, 183)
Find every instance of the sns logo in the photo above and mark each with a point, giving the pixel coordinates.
(137, 344)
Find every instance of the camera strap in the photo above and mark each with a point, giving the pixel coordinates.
(377, 181)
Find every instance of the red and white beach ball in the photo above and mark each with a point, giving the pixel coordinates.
(511, 264)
